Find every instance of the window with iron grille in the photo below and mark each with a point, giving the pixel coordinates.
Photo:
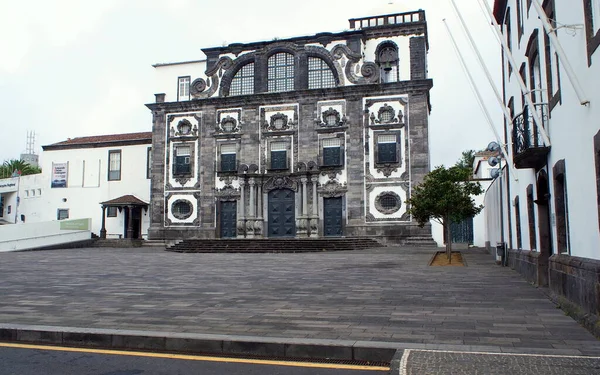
(114, 165)
(320, 75)
(182, 209)
(111, 211)
(61, 214)
(228, 158)
(386, 148)
(243, 81)
(184, 88)
(280, 74)
(332, 153)
(388, 201)
(181, 165)
(278, 155)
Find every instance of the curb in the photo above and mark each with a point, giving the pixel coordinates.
(193, 343)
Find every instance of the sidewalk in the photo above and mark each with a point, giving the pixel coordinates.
(383, 296)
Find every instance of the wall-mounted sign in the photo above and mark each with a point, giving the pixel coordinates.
(79, 224)
(59, 175)
(9, 184)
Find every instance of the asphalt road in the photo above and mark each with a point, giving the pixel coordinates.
(28, 361)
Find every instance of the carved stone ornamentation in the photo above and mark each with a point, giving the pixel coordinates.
(241, 228)
(228, 124)
(280, 182)
(331, 173)
(184, 127)
(277, 122)
(182, 180)
(332, 189)
(386, 169)
(258, 228)
(197, 87)
(228, 180)
(386, 115)
(330, 118)
(369, 70)
(227, 193)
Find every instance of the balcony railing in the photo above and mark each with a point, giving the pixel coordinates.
(388, 19)
(529, 150)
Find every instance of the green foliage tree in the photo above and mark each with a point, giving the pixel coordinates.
(10, 166)
(445, 196)
(466, 160)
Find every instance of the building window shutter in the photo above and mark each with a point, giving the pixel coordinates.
(279, 155)
(228, 158)
(182, 160)
(386, 149)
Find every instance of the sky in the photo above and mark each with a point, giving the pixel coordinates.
(72, 68)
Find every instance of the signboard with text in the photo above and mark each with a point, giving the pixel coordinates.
(79, 224)
(59, 175)
(8, 185)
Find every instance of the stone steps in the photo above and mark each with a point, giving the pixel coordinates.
(288, 245)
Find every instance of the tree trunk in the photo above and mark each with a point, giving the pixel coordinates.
(448, 240)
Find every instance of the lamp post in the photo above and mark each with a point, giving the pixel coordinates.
(497, 173)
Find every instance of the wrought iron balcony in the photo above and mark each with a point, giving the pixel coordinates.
(388, 19)
(529, 150)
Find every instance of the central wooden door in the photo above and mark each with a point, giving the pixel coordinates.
(282, 213)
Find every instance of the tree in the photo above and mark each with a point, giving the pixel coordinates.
(445, 196)
(466, 160)
(11, 166)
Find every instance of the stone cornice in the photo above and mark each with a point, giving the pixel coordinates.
(348, 92)
(98, 144)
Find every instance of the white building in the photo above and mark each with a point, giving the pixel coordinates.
(87, 177)
(551, 206)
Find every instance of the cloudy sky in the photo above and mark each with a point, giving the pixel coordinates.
(71, 68)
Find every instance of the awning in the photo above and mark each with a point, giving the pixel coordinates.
(125, 200)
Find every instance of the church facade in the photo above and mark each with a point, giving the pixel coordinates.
(311, 136)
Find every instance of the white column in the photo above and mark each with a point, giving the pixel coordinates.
(251, 209)
(241, 224)
(314, 220)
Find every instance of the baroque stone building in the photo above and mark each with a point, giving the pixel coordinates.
(311, 136)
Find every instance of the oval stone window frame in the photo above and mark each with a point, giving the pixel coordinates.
(176, 213)
(384, 210)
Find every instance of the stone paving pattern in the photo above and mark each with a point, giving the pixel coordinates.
(387, 294)
(444, 363)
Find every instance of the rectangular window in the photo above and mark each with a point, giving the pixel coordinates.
(2, 206)
(386, 148)
(508, 35)
(332, 154)
(181, 164)
(519, 20)
(592, 26)
(111, 211)
(183, 92)
(149, 163)
(114, 165)
(228, 158)
(62, 214)
(278, 155)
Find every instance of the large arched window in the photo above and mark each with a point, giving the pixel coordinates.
(320, 75)
(387, 59)
(280, 72)
(243, 81)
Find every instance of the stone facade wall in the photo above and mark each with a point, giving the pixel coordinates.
(576, 279)
(359, 106)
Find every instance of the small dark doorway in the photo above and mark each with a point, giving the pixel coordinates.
(228, 219)
(136, 222)
(332, 216)
(543, 211)
(282, 213)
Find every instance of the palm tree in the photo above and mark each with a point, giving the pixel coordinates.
(9, 167)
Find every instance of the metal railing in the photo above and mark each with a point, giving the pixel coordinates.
(387, 19)
(525, 132)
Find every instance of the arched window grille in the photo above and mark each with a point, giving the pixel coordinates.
(280, 72)
(320, 75)
(243, 81)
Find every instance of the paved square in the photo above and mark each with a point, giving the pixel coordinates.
(387, 294)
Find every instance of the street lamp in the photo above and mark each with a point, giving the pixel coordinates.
(497, 173)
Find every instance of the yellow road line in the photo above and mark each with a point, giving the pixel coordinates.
(196, 357)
